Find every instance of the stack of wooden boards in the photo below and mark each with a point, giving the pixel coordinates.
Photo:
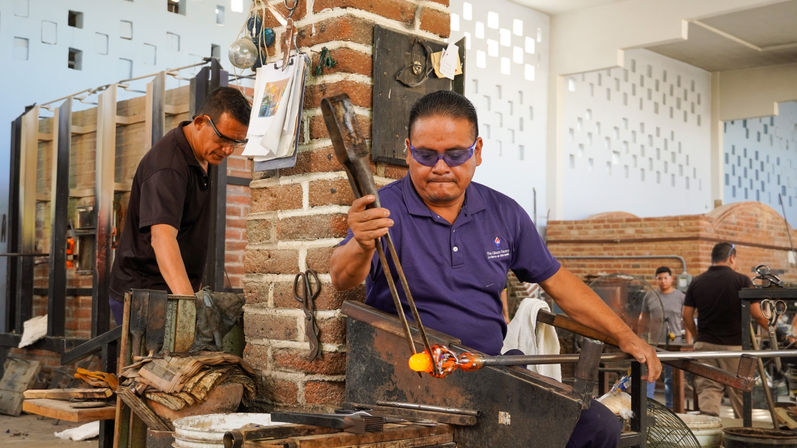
(72, 405)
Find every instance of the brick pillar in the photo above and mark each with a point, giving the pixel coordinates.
(298, 214)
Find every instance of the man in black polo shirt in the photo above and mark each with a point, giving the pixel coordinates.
(715, 295)
(164, 241)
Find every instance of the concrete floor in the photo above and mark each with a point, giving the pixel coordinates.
(35, 431)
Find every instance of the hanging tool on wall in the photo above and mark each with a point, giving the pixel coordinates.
(352, 152)
(306, 288)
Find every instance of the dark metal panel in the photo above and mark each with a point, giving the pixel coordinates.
(105, 162)
(392, 100)
(513, 403)
(239, 181)
(13, 221)
(208, 79)
(158, 98)
(59, 205)
(28, 161)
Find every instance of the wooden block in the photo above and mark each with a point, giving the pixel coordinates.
(68, 394)
(63, 410)
(18, 376)
(783, 417)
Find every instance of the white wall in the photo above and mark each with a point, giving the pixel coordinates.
(636, 139)
(760, 160)
(506, 79)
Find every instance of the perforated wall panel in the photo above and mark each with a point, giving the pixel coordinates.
(760, 160)
(506, 79)
(637, 139)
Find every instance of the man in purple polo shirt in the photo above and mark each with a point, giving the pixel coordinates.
(457, 240)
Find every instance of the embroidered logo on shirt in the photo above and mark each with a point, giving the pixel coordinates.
(498, 253)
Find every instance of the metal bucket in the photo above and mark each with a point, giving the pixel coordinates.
(207, 431)
(758, 438)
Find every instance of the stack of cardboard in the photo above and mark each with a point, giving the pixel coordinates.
(180, 381)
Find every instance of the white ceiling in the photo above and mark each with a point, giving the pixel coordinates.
(554, 7)
(743, 39)
(755, 37)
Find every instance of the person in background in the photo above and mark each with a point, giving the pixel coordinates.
(163, 245)
(714, 294)
(668, 311)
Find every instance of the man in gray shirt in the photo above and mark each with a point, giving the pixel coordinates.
(662, 322)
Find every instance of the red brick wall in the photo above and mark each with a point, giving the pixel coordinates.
(299, 214)
(757, 230)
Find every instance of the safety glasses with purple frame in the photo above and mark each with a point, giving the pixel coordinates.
(452, 157)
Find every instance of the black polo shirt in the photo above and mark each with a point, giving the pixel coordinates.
(715, 295)
(169, 187)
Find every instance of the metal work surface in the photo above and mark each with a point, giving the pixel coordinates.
(514, 404)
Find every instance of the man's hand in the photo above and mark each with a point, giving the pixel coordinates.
(642, 352)
(368, 224)
(349, 264)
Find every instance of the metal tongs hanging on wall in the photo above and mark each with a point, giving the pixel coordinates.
(352, 152)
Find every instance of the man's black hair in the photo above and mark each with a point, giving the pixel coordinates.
(226, 99)
(446, 103)
(721, 252)
(662, 269)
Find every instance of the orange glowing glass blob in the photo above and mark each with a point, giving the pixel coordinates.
(420, 362)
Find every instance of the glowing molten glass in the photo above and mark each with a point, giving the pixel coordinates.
(421, 362)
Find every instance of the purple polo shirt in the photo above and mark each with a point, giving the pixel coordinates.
(456, 272)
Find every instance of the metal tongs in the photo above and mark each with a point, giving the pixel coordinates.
(352, 152)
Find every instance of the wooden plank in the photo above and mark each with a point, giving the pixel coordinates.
(392, 437)
(150, 419)
(69, 393)
(130, 119)
(185, 326)
(121, 422)
(63, 410)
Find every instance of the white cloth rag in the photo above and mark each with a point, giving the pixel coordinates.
(524, 334)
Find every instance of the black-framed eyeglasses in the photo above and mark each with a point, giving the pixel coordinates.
(224, 138)
(452, 157)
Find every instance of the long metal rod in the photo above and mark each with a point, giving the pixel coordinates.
(514, 360)
(404, 285)
(394, 294)
(426, 407)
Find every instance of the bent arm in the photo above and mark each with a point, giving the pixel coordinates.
(349, 265)
(170, 261)
(757, 315)
(585, 307)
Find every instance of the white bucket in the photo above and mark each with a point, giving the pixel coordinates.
(706, 428)
(207, 431)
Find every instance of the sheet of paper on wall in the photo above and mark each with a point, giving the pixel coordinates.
(287, 137)
(446, 63)
(274, 110)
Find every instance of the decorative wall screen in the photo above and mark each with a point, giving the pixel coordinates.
(637, 139)
(760, 160)
(506, 79)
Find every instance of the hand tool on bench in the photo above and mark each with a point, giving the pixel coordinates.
(352, 152)
(357, 422)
